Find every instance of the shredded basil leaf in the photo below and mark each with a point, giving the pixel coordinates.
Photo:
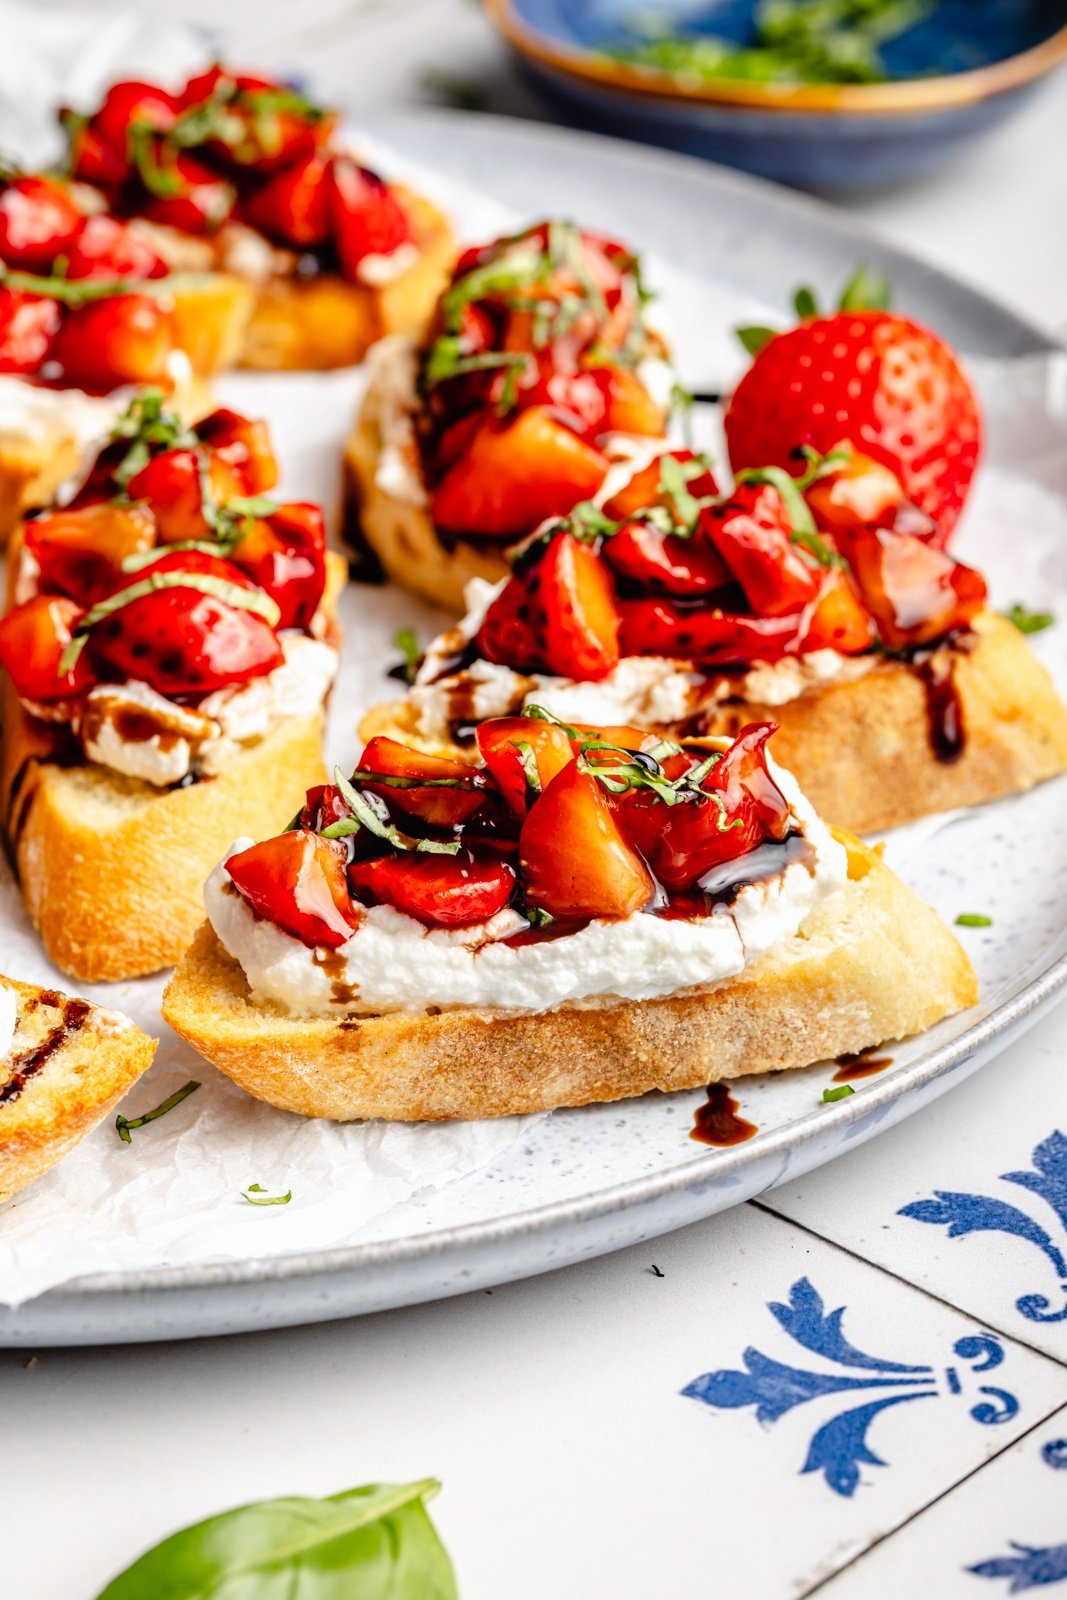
(256, 1195)
(973, 919)
(841, 1093)
(1029, 621)
(125, 1125)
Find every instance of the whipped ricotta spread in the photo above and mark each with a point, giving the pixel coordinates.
(132, 729)
(393, 963)
(392, 371)
(50, 417)
(641, 689)
(8, 1020)
(377, 270)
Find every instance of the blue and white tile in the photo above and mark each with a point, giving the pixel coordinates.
(969, 1200)
(1003, 1532)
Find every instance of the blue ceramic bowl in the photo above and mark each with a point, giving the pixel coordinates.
(954, 76)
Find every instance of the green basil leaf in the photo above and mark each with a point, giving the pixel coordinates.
(754, 338)
(1029, 621)
(376, 1542)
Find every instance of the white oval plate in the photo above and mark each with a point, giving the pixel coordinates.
(588, 1181)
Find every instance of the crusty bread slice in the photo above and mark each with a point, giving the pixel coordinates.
(399, 539)
(212, 313)
(862, 751)
(317, 323)
(871, 963)
(69, 1064)
(111, 869)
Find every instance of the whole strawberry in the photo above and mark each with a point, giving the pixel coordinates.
(867, 375)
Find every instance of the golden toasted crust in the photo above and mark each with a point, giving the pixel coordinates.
(212, 313)
(862, 751)
(324, 322)
(75, 1062)
(872, 963)
(112, 869)
(401, 538)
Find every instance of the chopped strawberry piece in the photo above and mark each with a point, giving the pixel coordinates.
(915, 593)
(645, 488)
(501, 744)
(32, 639)
(201, 202)
(293, 207)
(752, 534)
(555, 614)
(453, 791)
(837, 621)
(650, 559)
(743, 774)
(80, 550)
(106, 248)
(574, 859)
(172, 485)
(437, 890)
(244, 444)
(297, 881)
(181, 641)
(859, 490)
(28, 328)
(881, 380)
(127, 338)
(285, 554)
(323, 806)
(93, 160)
(38, 221)
(708, 637)
(133, 102)
(628, 406)
(366, 216)
(515, 474)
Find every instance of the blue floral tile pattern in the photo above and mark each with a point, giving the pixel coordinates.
(839, 1448)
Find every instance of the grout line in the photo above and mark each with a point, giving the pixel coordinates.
(997, 1327)
(914, 1516)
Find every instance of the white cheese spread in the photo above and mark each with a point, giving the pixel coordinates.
(393, 963)
(377, 271)
(53, 417)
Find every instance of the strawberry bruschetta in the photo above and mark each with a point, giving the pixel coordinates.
(88, 312)
(532, 380)
(583, 915)
(819, 602)
(241, 176)
(168, 651)
(63, 1065)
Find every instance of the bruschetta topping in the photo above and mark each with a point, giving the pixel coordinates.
(570, 861)
(168, 569)
(231, 152)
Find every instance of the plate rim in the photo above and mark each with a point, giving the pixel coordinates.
(1022, 1007)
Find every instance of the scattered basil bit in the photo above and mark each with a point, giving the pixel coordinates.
(1029, 621)
(842, 1093)
(973, 919)
(125, 1125)
(529, 764)
(256, 1195)
(376, 1542)
(408, 645)
(371, 812)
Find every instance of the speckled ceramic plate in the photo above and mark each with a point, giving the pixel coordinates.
(585, 1182)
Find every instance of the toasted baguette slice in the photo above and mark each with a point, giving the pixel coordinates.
(399, 539)
(871, 963)
(317, 323)
(212, 313)
(69, 1064)
(110, 868)
(849, 744)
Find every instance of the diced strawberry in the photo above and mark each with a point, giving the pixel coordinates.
(706, 636)
(837, 621)
(555, 614)
(32, 639)
(172, 486)
(575, 862)
(293, 206)
(650, 559)
(126, 338)
(202, 201)
(28, 328)
(366, 216)
(297, 881)
(285, 554)
(133, 102)
(437, 890)
(751, 532)
(323, 806)
(80, 550)
(93, 160)
(244, 444)
(452, 793)
(277, 127)
(628, 406)
(38, 221)
(914, 592)
(107, 248)
(644, 489)
(182, 641)
(859, 490)
(515, 474)
(500, 744)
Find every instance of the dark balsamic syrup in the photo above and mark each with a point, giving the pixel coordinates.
(26, 1065)
(860, 1066)
(717, 1121)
